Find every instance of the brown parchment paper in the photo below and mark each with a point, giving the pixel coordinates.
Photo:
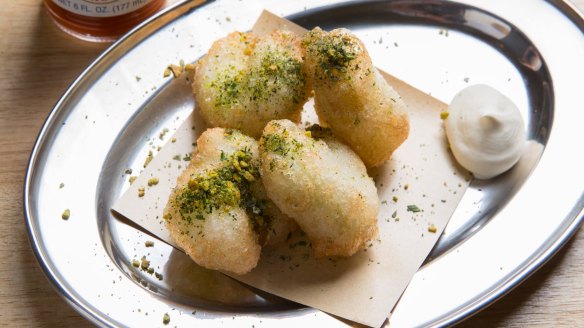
(365, 287)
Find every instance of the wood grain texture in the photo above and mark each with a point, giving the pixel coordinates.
(38, 62)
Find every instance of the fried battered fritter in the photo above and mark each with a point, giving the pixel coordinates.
(352, 98)
(322, 184)
(246, 81)
(218, 213)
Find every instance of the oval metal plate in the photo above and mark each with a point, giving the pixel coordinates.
(113, 114)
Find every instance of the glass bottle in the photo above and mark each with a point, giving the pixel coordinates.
(100, 20)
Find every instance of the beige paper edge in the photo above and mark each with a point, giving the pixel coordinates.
(365, 287)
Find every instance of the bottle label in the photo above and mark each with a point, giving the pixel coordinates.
(101, 8)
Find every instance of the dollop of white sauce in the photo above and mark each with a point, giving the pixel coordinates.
(485, 130)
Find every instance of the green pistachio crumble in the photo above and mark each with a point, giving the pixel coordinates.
(335, 52)
(413, 208)
(166, 319)
(152, 182)
(227, 87)
(148, 158)
(144, 264)
(277, 72)
(432, 228)
(280, 145)
(226, 186)
(66, 214)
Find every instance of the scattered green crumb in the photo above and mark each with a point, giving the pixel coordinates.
(432, 228)
(227, 185)
(414, 208)
(138, 79)
(335, 53)
(444, 115)
(394, 198)
(132, 179)
(163, 133)
(66, 214)
(141, 191)
(407, 186)
(144, 264)
(173, 140)
(128, 171)
(135, 263)
(148, 158)
(166, 319)
(394, 214)
(150, 270)
(279, 145)
(158, 275)
(61, 185)
(152, 182)
(176, 157)
(187, 157)
(278, 71)
(149, 243)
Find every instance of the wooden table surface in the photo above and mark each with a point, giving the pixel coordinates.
(38, 62)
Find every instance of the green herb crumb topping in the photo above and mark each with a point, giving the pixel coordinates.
(335, 52)
(226, 186)
(277, 71)
(279, 144)
(227, 87)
